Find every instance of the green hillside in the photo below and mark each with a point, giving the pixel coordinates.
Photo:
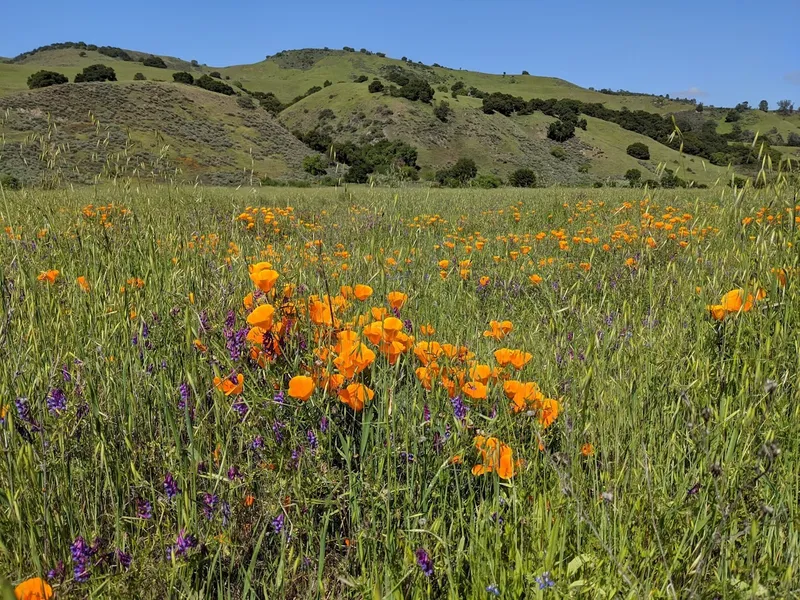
(221, 138)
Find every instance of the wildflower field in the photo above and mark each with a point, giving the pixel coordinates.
(375, 393)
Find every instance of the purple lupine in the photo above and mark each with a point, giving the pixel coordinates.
(23, 410)
(323, 424)
(144, 510)
(408, 325)
(184, 543)
(185, 392)
(205, 324)
(234, 473)
(145, 330)
(170, 486)
(277, 523)
(230, 319)
(81, 559)
(424, 561)
(257, 443)
(65, 374)
(57, 573)
(124, 559)
(279, 398)
(426, 414)
(56, 401)
(277, 430)
(225, 509)
(407, 456)
(459, 408)
(241, 408)
(312, 440)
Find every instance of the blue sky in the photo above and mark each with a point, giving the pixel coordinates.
(720, 52)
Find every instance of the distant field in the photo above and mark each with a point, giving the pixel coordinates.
(399, 393)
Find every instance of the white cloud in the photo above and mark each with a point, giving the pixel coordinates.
(692, 92)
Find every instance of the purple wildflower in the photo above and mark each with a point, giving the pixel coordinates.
(234, 473)
(209, 505)
(205, 325)
(144, 510)
(277, 430)
(241, 408)
(493, 589)
(124, 559)
(257, 443)
(312, 440)
(277, 523)
(170, 486)
(184, 543)
(424, 561)
(426, 414)
(65, 374)
(544, 581)
(323, 424)
(56, 401)
(57, 573)
(81, 559)
(459, 408)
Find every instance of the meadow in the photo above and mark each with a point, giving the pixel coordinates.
(400, 393)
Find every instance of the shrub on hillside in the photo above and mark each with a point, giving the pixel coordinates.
(763, 106)
(634, 177)
(269, 102)
(94, 73)
(487, 181)
(43, 78)
(442, 111)
(183, 77)
(558, 152)
(113, 52)
(327, 83)
(416, 90)
(459, 174)
(732, 116)
(793, 139)
(638, 150)
(245, 102)
(154, 61)
(375, 86)
(214, 85)
(215, 74)
(524, 178)
(561, 131)
(361, 79)
(139, 77)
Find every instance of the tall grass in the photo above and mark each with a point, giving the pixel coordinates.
(689, 489)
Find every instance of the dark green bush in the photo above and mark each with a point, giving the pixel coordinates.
(638, 150)
(487, 181)
(375, 86)
(459, 174)
(524, 178)
(43, 78)
(9, 182)
(213, 85)
(561, 131)
(442, 111)
(216, 74)
(634, 177)
(183, 77)
(139, 77)
(154, 61)
(315, 164)
(96, 73)
(361, 79)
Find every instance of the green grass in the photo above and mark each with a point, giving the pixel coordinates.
(691, 489)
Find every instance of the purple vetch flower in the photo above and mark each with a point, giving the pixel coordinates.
(544, 581)
(170, 486)
(459, 408)
(144, 510)
(23, 410)
(81, 559)
(312, 440)
(210, 502)
(279, 398)
(124, 559)
(424, 561)
(56, 401)
(186, 392)
(57, 573)
(65, 374)
(493, 589)
(257, 443)
(234, 473)
(230, 319)
(406, 456)
(135, 340)
(323, 424)
(426, 414)
(225, 509)
(241, 408)
(183, 543)
(408, 325)
(277, 430)
(277, 523)
(205, 325)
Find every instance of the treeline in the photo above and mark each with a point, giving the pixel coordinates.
(702, 140)
(110, 51)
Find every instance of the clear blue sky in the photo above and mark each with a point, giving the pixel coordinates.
(719, 51)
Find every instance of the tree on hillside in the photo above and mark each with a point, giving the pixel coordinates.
(139, 77)
(634, 177)
(213, 85)
(327, 83)
(375, 86)
(216, 74)
(442, 111)
(524, 178)
(793, 139)
(43, 78)
(785, 107)
(459, 174)
(763, 106)
(96, 73)
(361, 79)
(183, 77)
(638, 150)
(699, 107)
(561, 131)
(732, 116)
(154, 61)
(315, 164)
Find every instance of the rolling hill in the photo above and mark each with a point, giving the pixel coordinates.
(197, 134)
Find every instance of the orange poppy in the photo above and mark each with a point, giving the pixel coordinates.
(248, 301)
(35, 588)
(48, 276)
(356, 395)
(83, 283)
(362, 292)
(587, 449)
(519, 358)
(264, 278)
(397, 299)
(228, 386)
(427, 329)
(548, 412)
(535, 279)
(481, 373)
(200, 346)
(475, 390)
(498, 329)
(484, 281)
(261, 317)
(495, 456)
(301, 387)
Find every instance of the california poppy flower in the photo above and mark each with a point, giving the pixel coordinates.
(427, 329)
(494, 456)
(261, 317)
(535, 279)
(498, 329)
(263, 277)
(362, 292)
(481, 373)
(733, 302)
(201, 347)
(475, 390)
(356, 395)
(548, 412)
(587, 449)
(397, 299)
(301, 387)
(519, 358)
(35, 588)
(83, 283)
(230, 386)
(48, 276)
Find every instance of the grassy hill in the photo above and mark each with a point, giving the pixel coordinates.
(158, 129)
(211, 136)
